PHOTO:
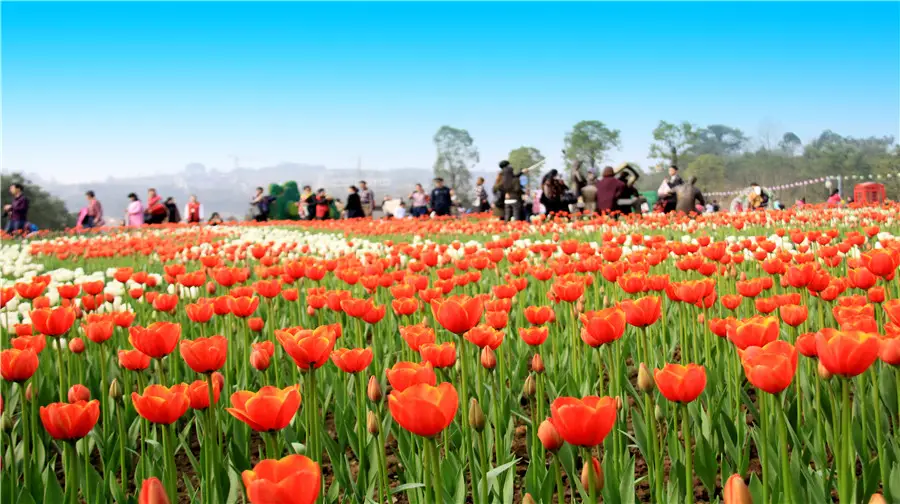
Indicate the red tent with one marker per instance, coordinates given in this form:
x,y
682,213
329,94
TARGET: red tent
x,y
868,192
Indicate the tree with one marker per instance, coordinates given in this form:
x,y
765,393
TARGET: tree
x,y
44,210
671,140
524,157
709,170
456,154
790,143
588,142
718,139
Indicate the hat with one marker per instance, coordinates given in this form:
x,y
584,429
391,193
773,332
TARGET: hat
x,y
438,179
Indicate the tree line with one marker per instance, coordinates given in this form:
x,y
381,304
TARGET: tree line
x,y
721,157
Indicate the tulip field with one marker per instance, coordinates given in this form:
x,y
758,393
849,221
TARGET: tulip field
x,y
736,358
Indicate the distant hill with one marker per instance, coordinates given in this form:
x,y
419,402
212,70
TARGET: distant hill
x,y
228,192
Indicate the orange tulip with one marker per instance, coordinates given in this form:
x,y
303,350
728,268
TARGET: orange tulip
x,y
407,374
439,355
417,335
153,492
308,348
405,306
603,326
731,301
846,353
549,436
890,350
583,422
642,312
160,404
484,336
567,290
37,343
881,262
243,306
134,360
294,479
533,336
157,340
770,368
18,365
736,491
99,331
201,312
754,331
679,383
70,421
806,344
269,409
198,392
53,322
423,409
165,302
793,315
538,315
352,360
892,309
458,314
205,355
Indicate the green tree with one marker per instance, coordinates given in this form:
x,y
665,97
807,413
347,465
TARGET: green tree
x,y
456,155
589,141
718,139
524,157
671,140
790,143
44,210
709,170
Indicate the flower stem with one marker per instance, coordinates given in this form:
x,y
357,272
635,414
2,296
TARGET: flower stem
x,y
436,467
783,448
557,474
688,456
361,431
763,448
484,467
846,464
25,419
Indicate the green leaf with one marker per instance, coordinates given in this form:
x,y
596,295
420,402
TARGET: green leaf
x,y
25,497
493,473
52,489
406,486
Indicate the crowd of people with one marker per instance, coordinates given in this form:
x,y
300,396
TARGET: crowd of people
x,y
513,199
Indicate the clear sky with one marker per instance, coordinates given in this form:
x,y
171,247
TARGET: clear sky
x,y
92,90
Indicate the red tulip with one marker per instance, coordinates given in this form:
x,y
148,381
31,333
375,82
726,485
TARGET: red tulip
x,y
53,322
134,360
70,422
458,314
160,404
533,336
417,335
18,365
679,383
642,312
269,409
846,353
157,340
198,392
153,492
439,355
603,326
583,422
205,355
407,374
423,409
78,392
754,331
352,360
770,368
294,479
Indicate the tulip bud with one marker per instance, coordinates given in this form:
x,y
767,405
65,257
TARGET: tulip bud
x,y
310,311
488,359
528,499
606,301
259,360
476,416
152,490
644,380
372,424
824,373
658,413
549,436
579,305
701,318
537,364
79,392
736,491
115,389
619,403
76,345
28,392
6,423
424,321
597,476
374,390
876,499
530,387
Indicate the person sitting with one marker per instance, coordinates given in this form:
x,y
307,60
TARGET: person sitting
x,y
758,198
630,196
835,198
172,211
589,194
156,210
93,212
215,219
193,211
400,211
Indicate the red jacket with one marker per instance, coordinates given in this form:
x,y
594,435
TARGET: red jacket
x,y
609,189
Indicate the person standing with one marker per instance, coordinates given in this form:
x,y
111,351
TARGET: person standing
x,y
174,217
589,194
323,205
193,210
354,207
308,199
609,190
552,191
17,211
480,196
670,199
366,198
440,198
135,212
512,192
419,201
156,210
260,203
93,214
835,198
687,196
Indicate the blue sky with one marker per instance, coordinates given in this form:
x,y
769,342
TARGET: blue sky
x,y
100,89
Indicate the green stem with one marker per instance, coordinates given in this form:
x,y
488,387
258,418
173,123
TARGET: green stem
x,y
382,467
436,467
25,420
87,464
783,448
652,457
484,467
688,456
427,475
557,474
60,370
879,435
464,400
72,473
763,446
211,439
498,429
846,464
122,469
168,462
588,459
361,431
